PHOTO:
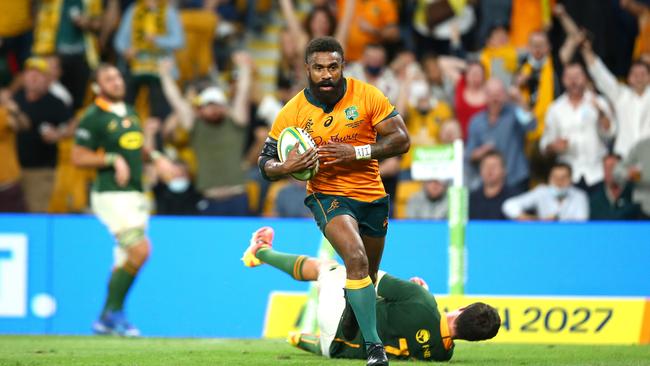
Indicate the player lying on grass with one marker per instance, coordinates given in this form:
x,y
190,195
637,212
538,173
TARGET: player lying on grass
x,y
408,320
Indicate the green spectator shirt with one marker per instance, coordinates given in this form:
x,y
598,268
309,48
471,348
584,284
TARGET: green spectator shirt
x,y
408,322
101,129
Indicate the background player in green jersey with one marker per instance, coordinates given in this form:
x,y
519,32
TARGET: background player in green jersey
x,y
110,139
408,319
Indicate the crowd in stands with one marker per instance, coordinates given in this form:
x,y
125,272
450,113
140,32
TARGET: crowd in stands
x,y
551,98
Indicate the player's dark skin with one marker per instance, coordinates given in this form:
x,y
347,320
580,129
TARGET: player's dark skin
x,y
360,253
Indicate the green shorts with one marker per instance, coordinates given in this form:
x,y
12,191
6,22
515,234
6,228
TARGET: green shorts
x,y
371,216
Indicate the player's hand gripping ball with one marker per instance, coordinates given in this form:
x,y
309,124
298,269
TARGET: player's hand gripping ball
x,y
287,141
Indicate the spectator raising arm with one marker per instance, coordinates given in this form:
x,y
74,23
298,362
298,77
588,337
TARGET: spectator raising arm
x,y
605,81
240,112
180,106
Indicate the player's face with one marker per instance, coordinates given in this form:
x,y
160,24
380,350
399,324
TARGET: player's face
x,y
111,84
560,177
325,71
492,171
639,77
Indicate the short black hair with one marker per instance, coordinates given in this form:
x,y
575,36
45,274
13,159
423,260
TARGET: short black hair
x,y
562,165
323,44
495,154
477,322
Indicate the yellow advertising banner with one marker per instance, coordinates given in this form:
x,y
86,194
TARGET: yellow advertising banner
x,y
563,320
556,320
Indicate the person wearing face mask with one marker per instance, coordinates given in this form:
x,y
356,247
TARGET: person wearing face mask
x,y
372,69
556,201
217,131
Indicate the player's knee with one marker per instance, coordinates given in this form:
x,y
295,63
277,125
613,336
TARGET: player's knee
x,y
134,242
356,263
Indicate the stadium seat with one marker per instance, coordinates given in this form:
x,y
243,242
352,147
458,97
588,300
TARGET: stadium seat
x,y
405,189
271,195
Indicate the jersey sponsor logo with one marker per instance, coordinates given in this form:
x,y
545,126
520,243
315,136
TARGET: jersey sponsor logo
x,y
351,113
422,336
345,138
328,121
131,140
309,127
334,205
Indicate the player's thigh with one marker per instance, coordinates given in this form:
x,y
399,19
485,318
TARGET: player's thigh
x,y
342,232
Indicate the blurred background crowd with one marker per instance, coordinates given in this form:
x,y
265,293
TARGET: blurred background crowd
x,y
551,98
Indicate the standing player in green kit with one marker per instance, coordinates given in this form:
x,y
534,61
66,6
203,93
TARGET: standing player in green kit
x,y
110,139
408,319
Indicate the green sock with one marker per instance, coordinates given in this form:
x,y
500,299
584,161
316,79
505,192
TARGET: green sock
x,y
288,263
361,296
118,286
309,343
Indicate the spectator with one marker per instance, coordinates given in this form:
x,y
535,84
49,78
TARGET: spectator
x,y
492,13
37,145
372,69
438,26
611,200
374,21
149,31
578,126
631,102
196,59
642,12
537,81
485,202
56,87
15,32
499,57
470,95
217,135
636,168
440,84
288,202
11,121
430,202
502,127
67,28
557,201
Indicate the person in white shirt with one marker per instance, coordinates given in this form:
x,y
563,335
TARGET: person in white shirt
x,y
631,102
557,201
579,125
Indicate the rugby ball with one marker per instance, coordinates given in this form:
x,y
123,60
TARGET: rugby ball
x,y
287,142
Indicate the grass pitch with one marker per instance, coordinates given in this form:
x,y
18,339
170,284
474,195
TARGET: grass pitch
x,y
100,351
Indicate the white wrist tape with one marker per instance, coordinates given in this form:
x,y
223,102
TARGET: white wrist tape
x,y
363,152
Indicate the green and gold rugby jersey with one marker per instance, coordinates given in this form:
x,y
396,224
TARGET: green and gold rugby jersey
x,y
103,130
408,322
